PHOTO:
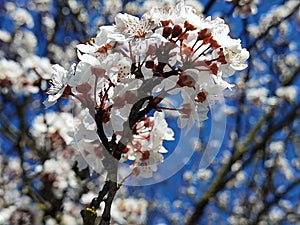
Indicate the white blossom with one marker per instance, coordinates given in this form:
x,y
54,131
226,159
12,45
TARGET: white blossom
x,y
10,70
22,16
257,94
59,83
164,54
5,36
130,210
146,147
51,123
289,93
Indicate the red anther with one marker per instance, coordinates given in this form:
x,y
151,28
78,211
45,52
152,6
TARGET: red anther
x,y
145,155
167,32
186,49
222,59
165,23
186,80
204,34
189,26
147,122
201,96
207,62
207,40
214,68
149,64
67,92
214,44
177,30
184,36
125,150
104,48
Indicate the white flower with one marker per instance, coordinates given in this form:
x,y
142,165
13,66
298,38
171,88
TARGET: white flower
x,y
245,7
87,48
159,133
132,26
59,83
218,27
257,95
10,70
204,174
235,56
147,145
22,16
129,210
52,123
25,41
68,219
43,5
41,65
92,152
104,35
85,128
149,165
277,147
62,173
187,112
276,214
86,198
5,36
290,93
89,59
88,142
285,167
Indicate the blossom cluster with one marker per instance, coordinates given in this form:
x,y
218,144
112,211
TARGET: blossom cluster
x,y
26,77
136,65
273,18
244,8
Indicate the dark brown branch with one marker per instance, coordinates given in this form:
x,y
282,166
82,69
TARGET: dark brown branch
x,y
100,130
113,188
112,154
208,6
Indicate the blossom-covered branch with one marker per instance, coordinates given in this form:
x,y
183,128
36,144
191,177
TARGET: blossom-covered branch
x,y
130,69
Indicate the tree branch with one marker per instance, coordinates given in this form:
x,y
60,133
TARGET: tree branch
x,y
275,24
220,181
275,200
112,155
208,6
